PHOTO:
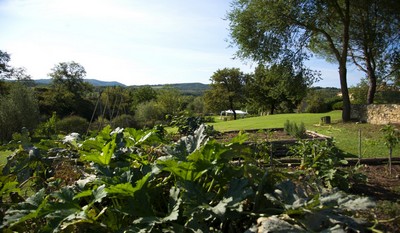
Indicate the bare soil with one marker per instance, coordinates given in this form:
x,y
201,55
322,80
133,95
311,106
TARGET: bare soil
x,y
260,136
384,188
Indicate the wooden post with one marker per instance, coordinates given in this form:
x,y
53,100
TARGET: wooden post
x,y
359,146
325,120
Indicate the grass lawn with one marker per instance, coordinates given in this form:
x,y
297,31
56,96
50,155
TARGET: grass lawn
x,y
346,135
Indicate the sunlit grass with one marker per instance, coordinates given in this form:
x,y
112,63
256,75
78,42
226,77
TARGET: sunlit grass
x,y
274,121
345,135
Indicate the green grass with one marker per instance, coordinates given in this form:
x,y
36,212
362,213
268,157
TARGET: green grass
x,y
345,135
274,121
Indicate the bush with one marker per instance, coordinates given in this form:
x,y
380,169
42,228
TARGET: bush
x,y
337,106
297,131
71,124
18,109
148,114
317,106
48,128
124,121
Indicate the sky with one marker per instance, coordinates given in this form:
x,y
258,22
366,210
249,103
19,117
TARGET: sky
x,y
132,42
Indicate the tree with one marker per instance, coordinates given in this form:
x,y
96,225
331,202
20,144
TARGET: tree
x,y
18,109
374,38
272,31
227,89
68,90
115,101
277,87
4,67
69,76
170,101
142,95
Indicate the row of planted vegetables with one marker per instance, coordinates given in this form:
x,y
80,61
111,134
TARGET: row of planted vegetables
x,y
127,180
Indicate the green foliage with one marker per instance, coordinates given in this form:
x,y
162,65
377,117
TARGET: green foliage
x,y
148,114
131,181
227,90
67,95
319,100
323,159
278,87
337,106
187,125
48,128
391,136
297,131
384,95
18,109
124,121
391,139
71,124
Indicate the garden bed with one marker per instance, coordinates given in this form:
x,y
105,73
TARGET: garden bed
x,y
276,137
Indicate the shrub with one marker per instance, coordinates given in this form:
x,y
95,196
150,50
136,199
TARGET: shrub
x,y
148,114
18,109
124,121
47,128
71,124
324,160
337,106
297,131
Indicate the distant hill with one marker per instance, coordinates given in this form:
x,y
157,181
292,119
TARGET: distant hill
x,y
195,89
94,82
185,88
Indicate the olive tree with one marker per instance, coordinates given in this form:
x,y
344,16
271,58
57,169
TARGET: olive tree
x,y
18,109
268,31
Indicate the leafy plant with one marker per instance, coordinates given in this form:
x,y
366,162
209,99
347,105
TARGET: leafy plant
x,y
392,138
135,181
323,160
297,131
73,124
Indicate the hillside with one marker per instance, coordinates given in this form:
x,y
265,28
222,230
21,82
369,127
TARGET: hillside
x,y
195,89
94,82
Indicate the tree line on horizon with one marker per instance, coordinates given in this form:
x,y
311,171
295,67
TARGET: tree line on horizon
x,y
278,36
69,104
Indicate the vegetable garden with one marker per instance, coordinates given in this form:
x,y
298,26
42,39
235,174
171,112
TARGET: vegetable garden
x,y
128,180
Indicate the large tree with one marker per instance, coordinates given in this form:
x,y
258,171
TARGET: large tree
x,y
272,31
69,76
68,90
227,89
277,87
374,40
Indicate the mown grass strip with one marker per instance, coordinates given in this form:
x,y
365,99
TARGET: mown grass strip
x,y
345,135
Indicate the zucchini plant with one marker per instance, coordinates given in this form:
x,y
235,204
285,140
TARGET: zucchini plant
x,y
131,180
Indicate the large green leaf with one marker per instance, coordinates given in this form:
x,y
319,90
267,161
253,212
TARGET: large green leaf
x,y
182,169
32,208
127,189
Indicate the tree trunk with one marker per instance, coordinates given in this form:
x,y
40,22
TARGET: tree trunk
x,y
271,112
390,160
345,92
343,62
372,86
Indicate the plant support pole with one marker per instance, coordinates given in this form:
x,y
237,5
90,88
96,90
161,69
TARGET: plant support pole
x,y
359,146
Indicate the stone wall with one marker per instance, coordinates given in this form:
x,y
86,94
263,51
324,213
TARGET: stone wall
x,y
379,114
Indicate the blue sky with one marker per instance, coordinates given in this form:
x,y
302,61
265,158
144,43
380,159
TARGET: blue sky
x,y
133,42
